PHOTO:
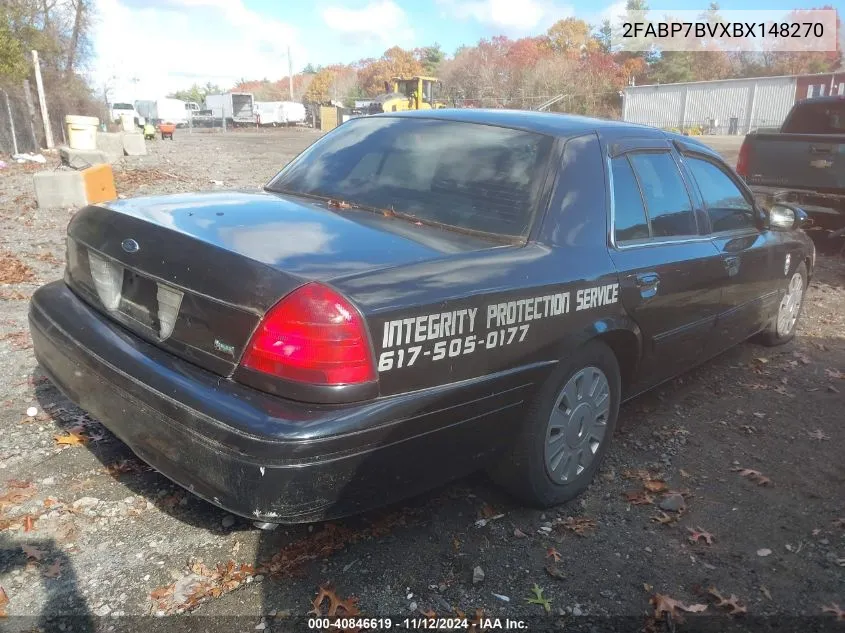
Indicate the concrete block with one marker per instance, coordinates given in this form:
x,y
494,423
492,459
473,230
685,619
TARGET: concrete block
x,y
134,144
82,158
61,188
112,144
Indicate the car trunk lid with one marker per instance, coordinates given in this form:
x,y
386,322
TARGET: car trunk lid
x,y
195,273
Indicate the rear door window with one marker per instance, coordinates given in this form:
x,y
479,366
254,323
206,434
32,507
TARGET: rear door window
x,y
629,212
667,201
726,206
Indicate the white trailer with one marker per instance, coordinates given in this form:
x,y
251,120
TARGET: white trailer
x,y
279,113
235,107
164,110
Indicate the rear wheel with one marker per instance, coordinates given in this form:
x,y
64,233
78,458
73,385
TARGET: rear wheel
x,y
782,328
567,431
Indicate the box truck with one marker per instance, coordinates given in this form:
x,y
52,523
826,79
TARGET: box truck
x,y
237,108
279,113
164,110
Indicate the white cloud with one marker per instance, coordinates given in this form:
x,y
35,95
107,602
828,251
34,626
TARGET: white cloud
x,y
146,49
508,16
614,13
381,21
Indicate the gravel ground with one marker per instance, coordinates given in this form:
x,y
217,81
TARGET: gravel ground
x,y
89,531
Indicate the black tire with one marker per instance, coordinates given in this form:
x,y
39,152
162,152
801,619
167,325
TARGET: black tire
x,y
774,335
522,470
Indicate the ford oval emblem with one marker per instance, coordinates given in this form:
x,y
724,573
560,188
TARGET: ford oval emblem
x,y
130,245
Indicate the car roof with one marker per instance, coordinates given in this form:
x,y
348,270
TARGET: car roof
x,y
540,122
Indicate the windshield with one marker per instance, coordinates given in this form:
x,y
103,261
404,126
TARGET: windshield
x,y
821,117
470,176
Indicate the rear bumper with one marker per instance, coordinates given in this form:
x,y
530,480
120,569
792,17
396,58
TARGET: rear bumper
x,y
256,455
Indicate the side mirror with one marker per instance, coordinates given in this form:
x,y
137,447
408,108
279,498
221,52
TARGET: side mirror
x,y
785,217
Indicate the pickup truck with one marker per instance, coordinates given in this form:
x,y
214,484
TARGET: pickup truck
x,y
804,163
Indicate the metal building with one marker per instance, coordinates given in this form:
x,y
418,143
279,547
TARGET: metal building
x,y
728,106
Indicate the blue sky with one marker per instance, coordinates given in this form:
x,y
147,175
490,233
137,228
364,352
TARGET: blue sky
x,y
146,48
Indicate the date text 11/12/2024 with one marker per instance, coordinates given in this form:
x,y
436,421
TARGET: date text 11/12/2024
x,y
506,323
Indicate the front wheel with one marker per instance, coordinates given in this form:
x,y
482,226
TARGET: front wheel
x,y
782,328
567,430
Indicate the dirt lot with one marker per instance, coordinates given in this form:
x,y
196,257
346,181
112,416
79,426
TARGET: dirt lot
x,y
88,531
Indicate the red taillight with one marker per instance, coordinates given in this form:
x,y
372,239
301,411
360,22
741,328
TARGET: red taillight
x,y
314,336
742,160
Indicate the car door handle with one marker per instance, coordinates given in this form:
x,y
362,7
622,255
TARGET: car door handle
x,y
821,149
731,264
647,284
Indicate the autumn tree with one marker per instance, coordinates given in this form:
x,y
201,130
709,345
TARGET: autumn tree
x,y
395,62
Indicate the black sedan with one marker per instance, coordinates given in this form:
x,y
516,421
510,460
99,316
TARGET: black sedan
x,y
414,297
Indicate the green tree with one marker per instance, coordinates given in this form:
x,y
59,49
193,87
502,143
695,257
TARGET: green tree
x,y
430,57
309,69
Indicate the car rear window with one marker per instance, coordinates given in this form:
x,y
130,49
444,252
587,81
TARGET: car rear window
x,y
469,176
821,117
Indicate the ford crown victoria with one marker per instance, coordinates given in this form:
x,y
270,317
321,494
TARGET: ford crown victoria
x,y
414,297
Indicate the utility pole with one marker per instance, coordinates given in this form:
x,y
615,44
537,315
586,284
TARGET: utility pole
x,y
45,116
290,74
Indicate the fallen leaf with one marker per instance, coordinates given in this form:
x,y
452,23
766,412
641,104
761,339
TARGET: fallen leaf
x,y
763,552
754,475
819,435
538,598
53,571
699,534
761,360
29,523
487,511
666,606
579,525
834,608
326,592
519,533
71,438
731,604
839,523
647,587
834,373
339,204
4,601
655,485
32,552
765,591
803,358
554,572
430,614
553,553
665,519
638,497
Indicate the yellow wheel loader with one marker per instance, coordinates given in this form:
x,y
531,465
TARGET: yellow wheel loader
x,y
413,93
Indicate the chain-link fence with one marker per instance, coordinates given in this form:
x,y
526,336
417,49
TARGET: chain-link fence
x,y
21,129
731,126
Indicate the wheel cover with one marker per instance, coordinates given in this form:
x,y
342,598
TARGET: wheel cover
x,y
577,425
790,305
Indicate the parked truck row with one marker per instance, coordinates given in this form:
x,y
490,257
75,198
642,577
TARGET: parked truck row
x,y
233,108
